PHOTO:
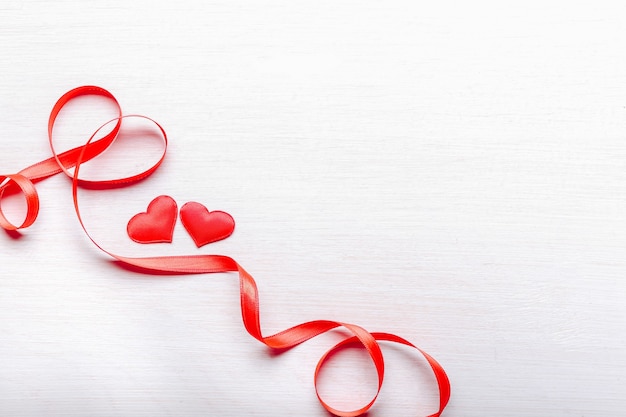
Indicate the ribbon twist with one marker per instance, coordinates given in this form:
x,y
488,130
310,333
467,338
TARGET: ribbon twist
x,y
24,182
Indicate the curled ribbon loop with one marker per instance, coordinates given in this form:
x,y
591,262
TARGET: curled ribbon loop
x,y
196,264
58,162
27,187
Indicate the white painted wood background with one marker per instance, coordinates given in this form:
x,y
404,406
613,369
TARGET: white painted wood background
x,y
455,174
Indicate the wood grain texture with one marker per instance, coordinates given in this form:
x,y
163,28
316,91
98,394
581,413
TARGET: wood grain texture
x,y
453,174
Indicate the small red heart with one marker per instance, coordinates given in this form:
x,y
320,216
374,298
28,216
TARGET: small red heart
x,y
204,226
156,225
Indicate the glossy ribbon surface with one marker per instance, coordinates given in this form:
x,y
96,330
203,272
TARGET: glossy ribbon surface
x,y
24,182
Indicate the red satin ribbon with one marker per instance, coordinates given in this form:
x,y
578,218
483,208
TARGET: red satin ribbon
x,y
194,264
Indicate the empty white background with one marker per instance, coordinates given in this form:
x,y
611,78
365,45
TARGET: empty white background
x,y
455,174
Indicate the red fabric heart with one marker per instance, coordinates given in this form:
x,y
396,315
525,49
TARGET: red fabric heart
x,y
204,226
156,225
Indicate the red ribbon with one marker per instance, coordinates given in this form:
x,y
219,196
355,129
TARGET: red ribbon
x,y
24,181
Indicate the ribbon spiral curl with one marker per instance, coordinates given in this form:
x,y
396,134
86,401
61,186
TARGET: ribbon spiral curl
x,y
24,181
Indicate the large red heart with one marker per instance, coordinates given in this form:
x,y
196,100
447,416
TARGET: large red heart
x,y
156,225
204,226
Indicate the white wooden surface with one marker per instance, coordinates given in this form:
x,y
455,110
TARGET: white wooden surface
x,y
453,174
